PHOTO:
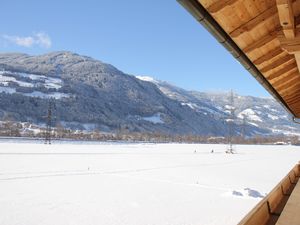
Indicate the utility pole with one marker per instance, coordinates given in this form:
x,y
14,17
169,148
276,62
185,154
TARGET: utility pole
x,y
49,118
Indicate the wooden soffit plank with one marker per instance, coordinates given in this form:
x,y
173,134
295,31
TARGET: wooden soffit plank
x,y
219,5
285,79
277,63
262,41
284,70
270,55
254,22
286,84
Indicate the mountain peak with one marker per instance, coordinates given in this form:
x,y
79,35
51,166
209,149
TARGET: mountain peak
x,y
147,78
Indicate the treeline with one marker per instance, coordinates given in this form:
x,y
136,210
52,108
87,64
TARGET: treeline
x,y
12,129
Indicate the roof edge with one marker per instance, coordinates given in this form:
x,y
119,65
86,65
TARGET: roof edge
x,y
202,16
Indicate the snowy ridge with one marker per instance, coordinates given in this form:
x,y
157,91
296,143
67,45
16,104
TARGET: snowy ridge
x,y
98,93
256,112
147,78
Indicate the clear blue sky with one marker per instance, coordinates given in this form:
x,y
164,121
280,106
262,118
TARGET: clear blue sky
x,y
156,38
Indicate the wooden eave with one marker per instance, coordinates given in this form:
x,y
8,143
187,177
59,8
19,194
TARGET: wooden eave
x,y
267,33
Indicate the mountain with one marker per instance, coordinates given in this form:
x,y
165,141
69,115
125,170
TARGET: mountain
x,y
90,94
257,111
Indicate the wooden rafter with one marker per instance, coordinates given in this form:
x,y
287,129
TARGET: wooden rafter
x,y
297,21
270,55
289,85
254,22
292,46
261,42
266,32
220,4
286,17
285,79
297,57
296,110
296,7
292,98
294,106
284,70
277,63
289,40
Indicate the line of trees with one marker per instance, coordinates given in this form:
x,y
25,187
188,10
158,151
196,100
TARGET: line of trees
x,y
15,129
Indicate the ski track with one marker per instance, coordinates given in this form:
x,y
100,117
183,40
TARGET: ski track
x,y
48,174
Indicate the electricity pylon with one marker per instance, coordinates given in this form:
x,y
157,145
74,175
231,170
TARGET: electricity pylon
x,y
230,123
49,122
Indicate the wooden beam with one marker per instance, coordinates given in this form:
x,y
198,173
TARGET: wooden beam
x,y
294,107
254,22
289,42
297,22
296,8
277,63
292,46
290,91
262,41
296,111
268,56
283,40
288,84
293,88
291,97
219,5
297,57
292,49
291,100
284,79
284,70
286,17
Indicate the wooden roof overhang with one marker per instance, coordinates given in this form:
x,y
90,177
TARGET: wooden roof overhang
x,y
264,35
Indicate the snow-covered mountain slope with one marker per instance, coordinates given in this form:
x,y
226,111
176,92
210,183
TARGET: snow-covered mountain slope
x,y
91,94
255,111
14,82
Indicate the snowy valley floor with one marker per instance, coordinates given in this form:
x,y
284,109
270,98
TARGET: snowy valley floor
x,y
136,184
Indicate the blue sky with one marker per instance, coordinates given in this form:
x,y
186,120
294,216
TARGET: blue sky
x,y
155,38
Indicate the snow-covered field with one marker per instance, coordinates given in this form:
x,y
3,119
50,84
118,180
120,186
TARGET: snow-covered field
x,y
136,184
